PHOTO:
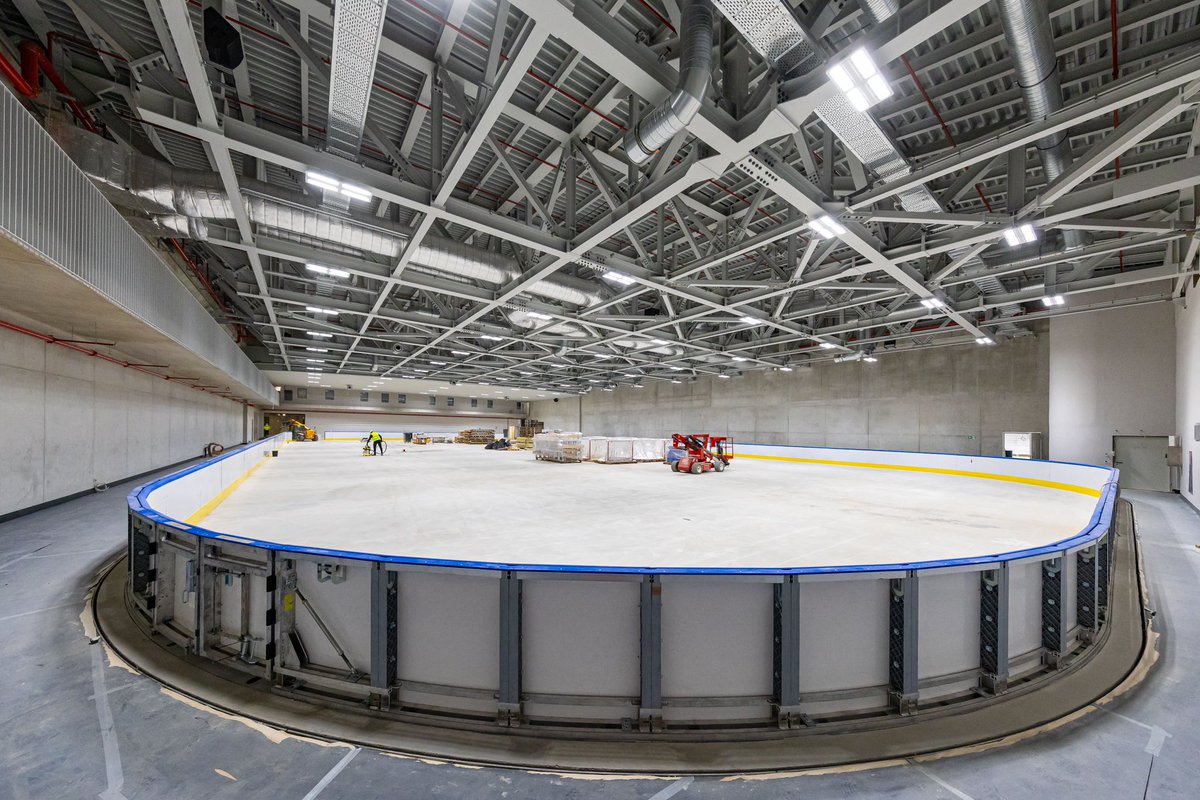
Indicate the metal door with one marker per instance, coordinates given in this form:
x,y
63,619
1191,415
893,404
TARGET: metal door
x,y
1143,462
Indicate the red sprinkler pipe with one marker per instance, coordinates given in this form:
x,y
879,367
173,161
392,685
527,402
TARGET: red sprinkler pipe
x,y
70,345
34,64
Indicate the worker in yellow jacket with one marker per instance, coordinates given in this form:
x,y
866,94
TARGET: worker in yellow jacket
x,y
376,443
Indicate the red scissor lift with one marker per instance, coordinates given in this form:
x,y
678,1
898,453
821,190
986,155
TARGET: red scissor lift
x,y
702,453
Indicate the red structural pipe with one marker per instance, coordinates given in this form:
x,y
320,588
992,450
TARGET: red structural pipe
x,y
70,345
35,63
212,290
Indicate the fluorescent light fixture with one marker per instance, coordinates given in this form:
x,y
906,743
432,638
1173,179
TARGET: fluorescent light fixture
x,y
618,277
330,271
608,388
519,372
749,320
1053,300
723,377
739,358
870,359
827,227
659,341
315,360
860,80
675,381
316,349
331,184
319,310
355,192
322,180
491,338
677,369
420,370
593,380
985,340
1021,234
438,363
601,356
785,369
827,345
538,315
932,302
459,353
316,335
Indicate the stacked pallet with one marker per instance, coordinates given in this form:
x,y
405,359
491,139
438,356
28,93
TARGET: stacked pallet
x,y
476,436
523,443
559,446
532,428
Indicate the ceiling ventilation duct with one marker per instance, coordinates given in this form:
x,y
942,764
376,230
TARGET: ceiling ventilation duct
x,y
176,202
672,115
857,130
1031,48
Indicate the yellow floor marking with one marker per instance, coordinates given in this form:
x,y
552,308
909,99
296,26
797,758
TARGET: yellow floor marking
x,y
211,505
1065,487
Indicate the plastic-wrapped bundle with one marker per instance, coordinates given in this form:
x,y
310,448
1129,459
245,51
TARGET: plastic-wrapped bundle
x,y
650,449
616,451
558,446
594,447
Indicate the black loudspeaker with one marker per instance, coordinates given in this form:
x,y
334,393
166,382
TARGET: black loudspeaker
x,y
221,40
556,399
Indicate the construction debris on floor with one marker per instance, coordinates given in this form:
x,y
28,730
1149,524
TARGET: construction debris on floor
x,y
476,436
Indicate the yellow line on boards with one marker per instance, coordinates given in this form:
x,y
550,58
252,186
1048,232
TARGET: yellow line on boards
x,y
1065,487
211,505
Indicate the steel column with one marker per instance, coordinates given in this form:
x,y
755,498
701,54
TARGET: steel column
x,y
786,679
650,710
508,709
902,643
1086,592
385,624
1055,621
993,629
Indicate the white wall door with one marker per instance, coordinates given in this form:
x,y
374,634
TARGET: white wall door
x,y
1143,462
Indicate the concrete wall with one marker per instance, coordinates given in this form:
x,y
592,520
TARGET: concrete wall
x,y
1187,392
945,399
322,421
71,422
1111,372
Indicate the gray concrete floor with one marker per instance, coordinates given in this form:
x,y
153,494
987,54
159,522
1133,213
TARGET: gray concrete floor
x,y
73,727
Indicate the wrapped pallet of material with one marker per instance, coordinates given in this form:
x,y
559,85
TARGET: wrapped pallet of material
x,y
650,449
594,447
563,447
616,451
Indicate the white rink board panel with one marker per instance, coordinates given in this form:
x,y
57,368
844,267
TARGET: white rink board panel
x,y
580,637
447,631
716,637
843,634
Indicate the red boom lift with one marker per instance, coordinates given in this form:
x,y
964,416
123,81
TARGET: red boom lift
x,y
703,453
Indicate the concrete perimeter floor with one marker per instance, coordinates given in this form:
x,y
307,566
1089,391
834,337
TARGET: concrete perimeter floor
x,y
464,503
72,727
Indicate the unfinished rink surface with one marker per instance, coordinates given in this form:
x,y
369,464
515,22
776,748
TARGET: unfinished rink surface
x,y
464,503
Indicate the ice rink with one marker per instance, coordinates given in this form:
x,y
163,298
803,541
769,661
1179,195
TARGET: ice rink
x,y
460,502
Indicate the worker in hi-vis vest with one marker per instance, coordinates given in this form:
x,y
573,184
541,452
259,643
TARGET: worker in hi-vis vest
x,y
376,443
266,427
